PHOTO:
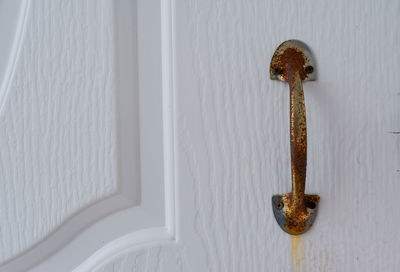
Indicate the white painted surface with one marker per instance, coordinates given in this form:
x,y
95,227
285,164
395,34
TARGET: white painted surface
x,y
57,127
13,15
70,134
214,130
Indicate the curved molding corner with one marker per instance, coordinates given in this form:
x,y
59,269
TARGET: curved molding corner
x,y
133,241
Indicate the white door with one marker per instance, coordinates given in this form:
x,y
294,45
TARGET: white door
x,y
147,135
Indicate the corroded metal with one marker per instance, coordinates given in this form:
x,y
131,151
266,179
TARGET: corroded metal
x,y
292,62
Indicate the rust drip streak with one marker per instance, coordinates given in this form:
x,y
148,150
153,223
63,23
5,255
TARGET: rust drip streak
x,y
298,259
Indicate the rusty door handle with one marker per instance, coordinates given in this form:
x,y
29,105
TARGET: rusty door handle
x,y
292,62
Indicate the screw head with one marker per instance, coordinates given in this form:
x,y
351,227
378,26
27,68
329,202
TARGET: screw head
x,y
279,205
309,69
277,71
311,205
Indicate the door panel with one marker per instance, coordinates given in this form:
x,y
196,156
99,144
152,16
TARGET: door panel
x,y
212,137
233,137
237,142
73,178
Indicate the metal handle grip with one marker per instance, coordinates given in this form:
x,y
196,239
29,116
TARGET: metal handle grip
x,y
298,136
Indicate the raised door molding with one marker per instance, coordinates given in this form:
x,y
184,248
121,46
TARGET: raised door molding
x,y
126,90
13,15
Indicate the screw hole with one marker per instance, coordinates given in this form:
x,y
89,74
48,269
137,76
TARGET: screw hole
x,y
311,205
277,71
309,69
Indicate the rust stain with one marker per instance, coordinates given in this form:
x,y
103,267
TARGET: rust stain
x,y
298,259
291,61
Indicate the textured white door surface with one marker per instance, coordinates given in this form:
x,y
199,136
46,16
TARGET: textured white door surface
x,y
147,135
